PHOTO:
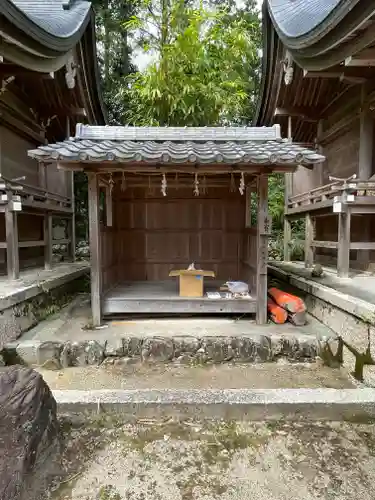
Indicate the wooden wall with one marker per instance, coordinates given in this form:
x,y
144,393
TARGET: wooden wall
x,y
155,234
14,161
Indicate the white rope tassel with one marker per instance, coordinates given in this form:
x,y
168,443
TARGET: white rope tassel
x,y
123,182
241,188
111,183
164,186
196,185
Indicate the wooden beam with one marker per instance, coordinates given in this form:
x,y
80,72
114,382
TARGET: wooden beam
x,y
365,58
48,241
309,237
350,76
304,114
96,285
324,244
343,244
9,69
262,250
11,230
362,245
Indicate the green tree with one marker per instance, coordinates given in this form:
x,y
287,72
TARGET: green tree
x,y
202,72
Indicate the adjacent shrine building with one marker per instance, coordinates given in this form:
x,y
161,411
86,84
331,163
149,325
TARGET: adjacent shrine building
x,y
318,84
48,82
162,198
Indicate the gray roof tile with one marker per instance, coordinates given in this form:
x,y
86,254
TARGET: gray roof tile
x,y
299,17
199,151
49,16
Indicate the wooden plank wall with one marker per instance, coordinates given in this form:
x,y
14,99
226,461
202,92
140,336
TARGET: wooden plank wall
x,y
156,234
14,159
249,257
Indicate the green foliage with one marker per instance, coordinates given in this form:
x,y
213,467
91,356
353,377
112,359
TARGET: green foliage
x,y
202,72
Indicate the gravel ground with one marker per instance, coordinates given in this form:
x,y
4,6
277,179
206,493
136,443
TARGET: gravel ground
x,y
150,460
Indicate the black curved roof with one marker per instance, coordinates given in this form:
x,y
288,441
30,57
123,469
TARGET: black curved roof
x,y
56,24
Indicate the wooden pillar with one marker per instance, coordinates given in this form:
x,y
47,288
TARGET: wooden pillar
x,y
11,230
72,224
262,249
48,236
366,140
343,251
287,224
365,166
94,235
309,237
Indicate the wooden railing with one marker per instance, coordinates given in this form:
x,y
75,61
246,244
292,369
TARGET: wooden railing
x,y
329,191
33,196
15,195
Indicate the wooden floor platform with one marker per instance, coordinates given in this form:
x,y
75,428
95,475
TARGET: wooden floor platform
x,y
161,297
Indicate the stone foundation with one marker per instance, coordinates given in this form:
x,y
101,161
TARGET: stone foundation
x,y
20,317
180,349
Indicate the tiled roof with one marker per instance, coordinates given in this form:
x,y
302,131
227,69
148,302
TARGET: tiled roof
x,y
200,150
56,23
298,17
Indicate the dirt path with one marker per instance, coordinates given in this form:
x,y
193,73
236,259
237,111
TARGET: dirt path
x,y
226,461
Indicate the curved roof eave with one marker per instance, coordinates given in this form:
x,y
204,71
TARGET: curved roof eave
x,y
271,70
46,22
327,44
300,23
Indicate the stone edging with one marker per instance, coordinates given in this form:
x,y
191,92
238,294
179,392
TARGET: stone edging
x,y
243,404
182,349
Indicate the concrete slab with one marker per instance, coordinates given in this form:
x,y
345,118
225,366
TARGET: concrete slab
x,y
70,323
124,375
35,281
356,294
228,404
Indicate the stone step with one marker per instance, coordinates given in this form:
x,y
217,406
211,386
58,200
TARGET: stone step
x,y
127,375
229,404
182,349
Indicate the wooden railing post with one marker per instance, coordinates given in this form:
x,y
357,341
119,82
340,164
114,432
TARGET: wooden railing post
x,y
343,251
48,230
262,250
94,234
309,238
11,230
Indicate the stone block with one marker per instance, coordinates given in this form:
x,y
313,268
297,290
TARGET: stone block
x,y
156,349
132,346
114,347
82,353
48,351
27,352
218,349
185,345
252,349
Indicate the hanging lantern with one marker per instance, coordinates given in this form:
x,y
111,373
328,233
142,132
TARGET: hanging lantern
x,y
241,188
163,188
196,185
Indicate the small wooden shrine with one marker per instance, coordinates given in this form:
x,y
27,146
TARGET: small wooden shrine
x,y
161,199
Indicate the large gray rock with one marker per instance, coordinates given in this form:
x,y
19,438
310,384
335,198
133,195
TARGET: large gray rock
x,y
29,444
